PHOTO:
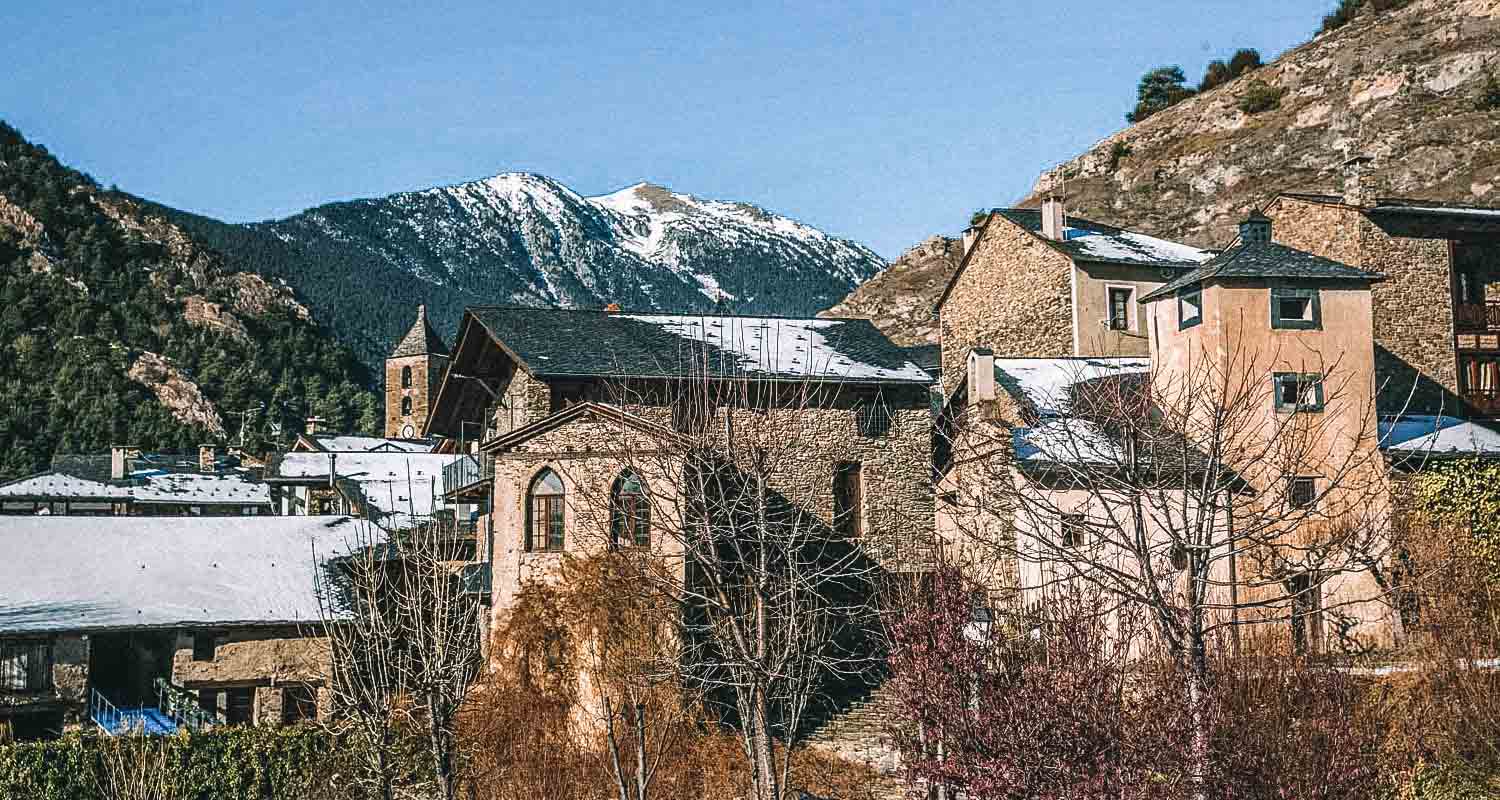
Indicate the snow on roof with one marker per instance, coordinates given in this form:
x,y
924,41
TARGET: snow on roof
x,y
197,487
400,486
1439,436
62,485
360,444
1066,440
148,486
83,573
1132,246
1046,383
795,347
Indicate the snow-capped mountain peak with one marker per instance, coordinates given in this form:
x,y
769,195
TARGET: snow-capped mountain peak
x,y
523,238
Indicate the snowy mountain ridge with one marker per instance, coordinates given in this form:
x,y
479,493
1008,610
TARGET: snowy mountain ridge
x,y
520,238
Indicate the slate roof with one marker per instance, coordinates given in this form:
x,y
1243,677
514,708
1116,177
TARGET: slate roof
x,y
1266,260
402,488
1439,437
552,342
1047,385
421,339
153,486
339,443
92,573
1086,240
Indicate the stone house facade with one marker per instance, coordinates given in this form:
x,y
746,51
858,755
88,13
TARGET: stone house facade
x,y
97,632
576,398
1437,313
1401,293
1037,283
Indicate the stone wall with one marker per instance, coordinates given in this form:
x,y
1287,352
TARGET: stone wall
x,y
268,659
426,373
589,453
1013,296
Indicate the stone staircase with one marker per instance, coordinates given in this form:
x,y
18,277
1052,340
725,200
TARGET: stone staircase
x,y
858,733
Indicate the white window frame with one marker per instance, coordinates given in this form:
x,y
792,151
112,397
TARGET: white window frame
x,y
1131,315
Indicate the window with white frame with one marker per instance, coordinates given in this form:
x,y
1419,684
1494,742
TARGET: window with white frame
x,y
1121,314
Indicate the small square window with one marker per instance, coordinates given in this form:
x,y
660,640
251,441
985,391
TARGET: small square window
x,y
1119,307
1298,391
1074,531
1302,493
1189,307
1295,309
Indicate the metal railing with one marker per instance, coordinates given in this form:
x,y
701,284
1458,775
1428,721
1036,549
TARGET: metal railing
x,y
181,706
464,471
1477,316
104,714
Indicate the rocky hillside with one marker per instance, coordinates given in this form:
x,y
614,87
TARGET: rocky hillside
x,y
526,239
1404,86
1407,86
118,327
899,300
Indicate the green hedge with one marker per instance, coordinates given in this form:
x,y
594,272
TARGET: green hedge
x,y
301,762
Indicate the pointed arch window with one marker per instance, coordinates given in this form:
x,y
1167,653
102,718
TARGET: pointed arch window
x,y
629,512
406,377
544,515
406,406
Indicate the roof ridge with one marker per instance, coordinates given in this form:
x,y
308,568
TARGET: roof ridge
x,y
625,312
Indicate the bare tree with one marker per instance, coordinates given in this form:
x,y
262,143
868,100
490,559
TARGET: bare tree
x,y
1205,494
405,645
775,600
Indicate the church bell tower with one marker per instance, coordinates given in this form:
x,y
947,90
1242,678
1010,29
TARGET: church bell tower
x,y
412,373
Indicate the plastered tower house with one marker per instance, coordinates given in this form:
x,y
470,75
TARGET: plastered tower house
x,y
413,372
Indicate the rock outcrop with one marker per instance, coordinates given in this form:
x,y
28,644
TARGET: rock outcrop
x,y
900,298
176,391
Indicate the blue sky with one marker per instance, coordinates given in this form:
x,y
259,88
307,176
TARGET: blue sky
x,y
883,122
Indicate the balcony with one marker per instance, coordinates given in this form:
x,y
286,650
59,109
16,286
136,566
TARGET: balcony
x,y
1476,317
1483,402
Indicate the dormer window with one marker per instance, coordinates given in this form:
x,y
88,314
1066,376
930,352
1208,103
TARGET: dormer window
x,y
1189,307
1295,309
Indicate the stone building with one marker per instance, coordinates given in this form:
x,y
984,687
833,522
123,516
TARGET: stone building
x,y
128,482
413,372
1038,283
1437,313
1389,294
220,614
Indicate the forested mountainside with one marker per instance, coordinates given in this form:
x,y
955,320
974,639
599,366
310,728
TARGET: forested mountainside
x,y
525,239
1413,83
118,328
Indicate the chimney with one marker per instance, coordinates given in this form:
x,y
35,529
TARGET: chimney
x,y
119,462
333,466
314,424
971,233
1359,181
981,375
1052,219
1255,228
207,456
